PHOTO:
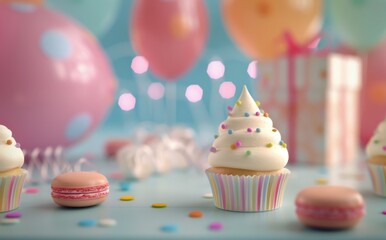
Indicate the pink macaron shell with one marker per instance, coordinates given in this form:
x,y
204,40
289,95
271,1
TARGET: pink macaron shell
x,y
329,207
79,189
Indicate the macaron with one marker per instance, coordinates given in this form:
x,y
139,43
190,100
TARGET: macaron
x,y
79,189
329,207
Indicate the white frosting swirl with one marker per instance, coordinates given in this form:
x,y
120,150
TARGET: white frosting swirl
x,y
247,140
377,144
11,156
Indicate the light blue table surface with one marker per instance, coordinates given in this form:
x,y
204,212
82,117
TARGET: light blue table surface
x,y
183,191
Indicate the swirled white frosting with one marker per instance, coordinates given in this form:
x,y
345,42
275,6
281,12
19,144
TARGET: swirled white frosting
x,y
247,139
11,156
377,144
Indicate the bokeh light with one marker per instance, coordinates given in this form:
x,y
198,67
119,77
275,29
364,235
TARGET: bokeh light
x,y
227,90
156,91
139,65
215,69
126,101
252,69
194,93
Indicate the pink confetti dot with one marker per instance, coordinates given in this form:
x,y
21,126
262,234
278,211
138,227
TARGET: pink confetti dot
x,y
215,226
384,212
238,144
13,215
384,148
257,114
249,130
32,190
223,126
230,108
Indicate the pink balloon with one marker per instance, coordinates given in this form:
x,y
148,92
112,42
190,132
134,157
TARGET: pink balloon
x,y
373,94
56,84
169,34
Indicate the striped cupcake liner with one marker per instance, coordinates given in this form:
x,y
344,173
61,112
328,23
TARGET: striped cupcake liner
x,y
378,178
248,193
10,191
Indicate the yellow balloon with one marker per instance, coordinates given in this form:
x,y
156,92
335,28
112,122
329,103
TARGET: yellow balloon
x,y
258,26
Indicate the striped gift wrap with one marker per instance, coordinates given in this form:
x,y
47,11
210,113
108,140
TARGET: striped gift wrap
x,y
248,193
378,178
10,190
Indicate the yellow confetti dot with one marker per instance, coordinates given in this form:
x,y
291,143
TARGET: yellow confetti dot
x,y
238,103
257,103
321,181
284,145
159,205
127,198
269,145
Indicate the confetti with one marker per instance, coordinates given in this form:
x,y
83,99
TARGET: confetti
x,y
246,114
87,223
107,222
223,126
249,130
284,145
257,103
127,198
125,186
384,148
269,145
213,149
258,130
321,181
233,146
230,131
230,108
266,114
196,214
238,144
238,103
208,195
274,130
215,226
248,153
257,113
31,190
9,221
159,205
169,228
384,212
13,215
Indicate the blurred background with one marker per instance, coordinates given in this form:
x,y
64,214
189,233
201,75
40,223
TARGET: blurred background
x,y
71,69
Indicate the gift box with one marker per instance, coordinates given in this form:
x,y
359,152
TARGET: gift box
x,y
313,101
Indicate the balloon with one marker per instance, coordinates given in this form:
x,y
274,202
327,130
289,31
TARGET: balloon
x,y
35,2
373,94
96,15
169,34
360,24
258,26
56,84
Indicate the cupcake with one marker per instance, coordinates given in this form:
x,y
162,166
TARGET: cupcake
x,y
376,155
247,160
12,176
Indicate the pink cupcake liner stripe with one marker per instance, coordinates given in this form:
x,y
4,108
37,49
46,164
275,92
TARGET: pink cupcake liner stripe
x,y
248,193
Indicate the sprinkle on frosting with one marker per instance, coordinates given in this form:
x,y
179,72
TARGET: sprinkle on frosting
x,y
258,103
230,108
238,144
284,145
376,141
384,148
274,130
9,142
233,146
223,126
238,103
213,149
266,114
230,131
246,114
215,136
258,130
248,153
257,113
269,145
249,130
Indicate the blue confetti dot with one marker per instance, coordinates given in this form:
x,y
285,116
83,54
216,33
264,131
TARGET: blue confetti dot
x,y
125,186
23,7
169,228
87,223
78,126
55,44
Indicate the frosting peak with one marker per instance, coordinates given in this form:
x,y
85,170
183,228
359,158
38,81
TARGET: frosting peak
x,y
11,156
377,144
248,140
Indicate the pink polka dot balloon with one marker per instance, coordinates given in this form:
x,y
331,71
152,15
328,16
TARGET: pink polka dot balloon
x,y
56,84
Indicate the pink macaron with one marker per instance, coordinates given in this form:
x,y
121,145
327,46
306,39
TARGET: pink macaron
x,y
79,189
329,207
